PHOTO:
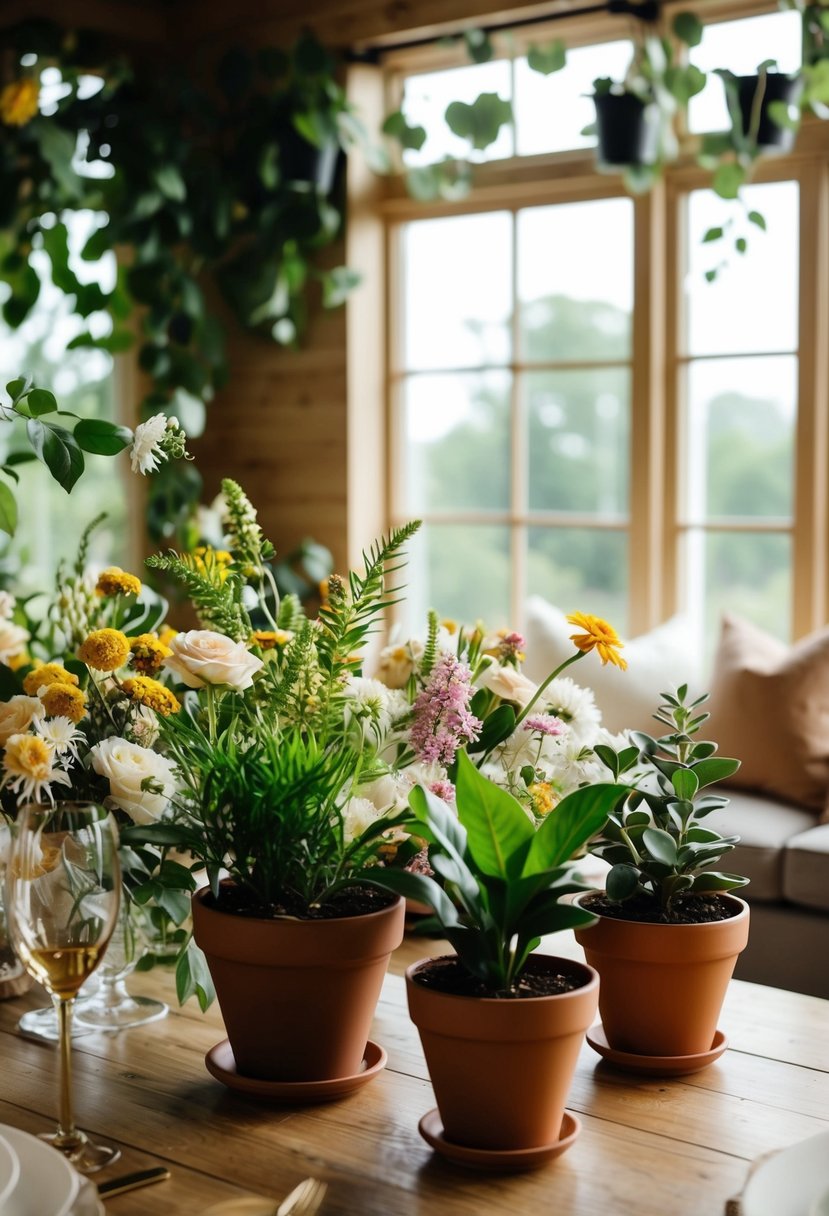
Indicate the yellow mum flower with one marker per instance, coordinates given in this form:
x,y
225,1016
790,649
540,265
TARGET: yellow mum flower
x,y
18,102
144,691
64,701
598,636
28,770
543,796
115,581
45,674
267,639
105,649
19,660
148,653
166,636
450,626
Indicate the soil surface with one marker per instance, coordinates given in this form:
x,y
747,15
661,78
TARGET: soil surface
x,y
445,974
352,901
685,910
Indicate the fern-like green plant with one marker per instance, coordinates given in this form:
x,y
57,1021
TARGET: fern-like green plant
x,y
216,593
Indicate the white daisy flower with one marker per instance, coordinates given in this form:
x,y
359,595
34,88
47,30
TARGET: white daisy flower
x,y
61,735
146,453
574,705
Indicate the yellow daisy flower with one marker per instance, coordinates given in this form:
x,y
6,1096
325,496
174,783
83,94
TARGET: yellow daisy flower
x,y
105,649
18,102
47,673
166,636
28,769
144,691
115,581
64,701
598,636
148,653
267,639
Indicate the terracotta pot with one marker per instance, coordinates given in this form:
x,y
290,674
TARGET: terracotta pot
x,y
297,996
501,1069
662,986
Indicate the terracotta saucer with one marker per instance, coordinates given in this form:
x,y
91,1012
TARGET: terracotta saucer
x,y
221,1065
431,1129
664,1066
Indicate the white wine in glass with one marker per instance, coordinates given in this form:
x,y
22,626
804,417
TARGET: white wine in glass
x,y
63,888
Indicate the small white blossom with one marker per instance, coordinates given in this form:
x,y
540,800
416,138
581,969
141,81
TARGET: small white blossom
x,y
146,453
61,734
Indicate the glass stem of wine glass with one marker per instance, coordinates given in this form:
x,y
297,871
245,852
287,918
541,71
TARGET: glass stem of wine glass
x,y
67,1136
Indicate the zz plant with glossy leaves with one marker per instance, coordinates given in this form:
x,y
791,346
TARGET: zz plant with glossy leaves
x,y
654,840
502,878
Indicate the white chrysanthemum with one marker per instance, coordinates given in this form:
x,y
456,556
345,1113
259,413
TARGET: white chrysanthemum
x,y
29,769
61,734
359,814
371,707
146,453
576,706
6,605
388,793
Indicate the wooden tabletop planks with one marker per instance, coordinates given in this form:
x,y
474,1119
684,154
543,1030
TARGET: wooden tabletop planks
x,y
649,1146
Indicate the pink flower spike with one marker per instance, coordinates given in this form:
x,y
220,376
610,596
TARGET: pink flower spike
x,y
545,724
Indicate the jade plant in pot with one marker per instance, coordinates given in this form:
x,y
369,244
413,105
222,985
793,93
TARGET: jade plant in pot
x,y
501,1026
271,746
669,929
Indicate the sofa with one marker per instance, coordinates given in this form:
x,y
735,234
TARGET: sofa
x,y
770,708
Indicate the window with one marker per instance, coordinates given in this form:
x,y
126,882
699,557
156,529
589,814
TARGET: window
x,y
574,410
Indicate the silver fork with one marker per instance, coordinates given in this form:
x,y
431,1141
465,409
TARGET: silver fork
x,y
305,1199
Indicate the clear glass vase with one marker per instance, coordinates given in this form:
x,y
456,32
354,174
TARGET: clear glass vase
x,y
112,1007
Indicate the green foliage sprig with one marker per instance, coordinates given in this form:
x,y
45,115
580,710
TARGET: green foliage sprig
x,y
503,878
215,593
655,843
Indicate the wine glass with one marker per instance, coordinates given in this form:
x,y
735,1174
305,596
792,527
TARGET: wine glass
x,y
62,897
112,1007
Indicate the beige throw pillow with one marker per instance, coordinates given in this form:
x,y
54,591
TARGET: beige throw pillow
x,y
770,708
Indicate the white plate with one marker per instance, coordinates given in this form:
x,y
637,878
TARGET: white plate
x,y
791,1182
48,1185
9,1172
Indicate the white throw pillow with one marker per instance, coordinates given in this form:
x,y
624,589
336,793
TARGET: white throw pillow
x,y
658,661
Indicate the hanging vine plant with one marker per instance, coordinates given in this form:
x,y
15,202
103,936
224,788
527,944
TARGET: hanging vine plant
x,y
229,181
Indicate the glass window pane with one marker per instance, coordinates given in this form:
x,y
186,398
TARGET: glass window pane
x,y
575,280
462,571
426,97
552,111
740,46
747,573
580,570
753,303
457,441
579,436
740,437
457,291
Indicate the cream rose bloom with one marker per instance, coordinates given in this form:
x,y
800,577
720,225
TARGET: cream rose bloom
x,y
396,663
17,715
201,657
13,639
508,683
126,766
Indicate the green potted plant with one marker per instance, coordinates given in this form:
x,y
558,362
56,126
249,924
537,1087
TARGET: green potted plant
x,y
669,930
501,1026
635,117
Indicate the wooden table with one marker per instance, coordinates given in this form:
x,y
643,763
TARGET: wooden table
x,y
649,1147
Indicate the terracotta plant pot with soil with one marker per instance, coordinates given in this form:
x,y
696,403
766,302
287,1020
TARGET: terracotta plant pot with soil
x,y
297,996
663,985
501,1067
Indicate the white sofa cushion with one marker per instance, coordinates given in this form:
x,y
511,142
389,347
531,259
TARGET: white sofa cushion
x,y
658,661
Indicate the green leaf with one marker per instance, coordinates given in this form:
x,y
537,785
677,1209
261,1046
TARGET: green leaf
x,y
115,343
399,128
170,182
18,388
622,882
741,244
337,284
102,438
57,147
728,178
480,122
547,59
569,826
41,401
193,977
661,845
713,234
688,28
757,219
8,510
58,450
718,768
715,881
685,783
496,824
478,46
498,726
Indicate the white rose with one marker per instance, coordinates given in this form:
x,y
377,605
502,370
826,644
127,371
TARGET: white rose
x,y
201,657
17,715
396,663
508,683
127,765
13,639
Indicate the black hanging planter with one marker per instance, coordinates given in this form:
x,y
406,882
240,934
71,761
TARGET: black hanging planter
x,y
778,87
305,163
627,129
